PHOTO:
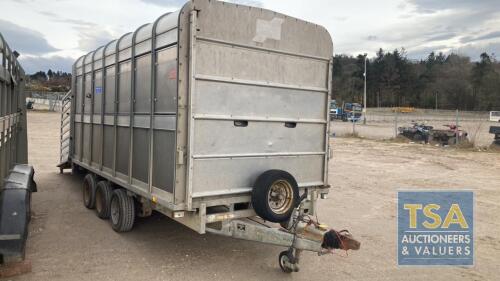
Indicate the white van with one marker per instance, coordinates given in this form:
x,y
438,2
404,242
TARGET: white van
x,y
495,116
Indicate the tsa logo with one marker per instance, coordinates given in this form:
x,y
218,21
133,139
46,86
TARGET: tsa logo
x,y
435,228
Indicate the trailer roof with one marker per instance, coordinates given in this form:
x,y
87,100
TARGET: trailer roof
x,y
229,22
163,24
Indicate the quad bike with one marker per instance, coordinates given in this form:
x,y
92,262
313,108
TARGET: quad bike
x,y
416,132
451,136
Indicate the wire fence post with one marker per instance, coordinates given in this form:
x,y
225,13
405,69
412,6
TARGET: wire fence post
x,y
353,121
396,123
456,125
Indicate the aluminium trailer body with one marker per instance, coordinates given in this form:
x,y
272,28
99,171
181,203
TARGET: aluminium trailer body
x,y
187,113
16,177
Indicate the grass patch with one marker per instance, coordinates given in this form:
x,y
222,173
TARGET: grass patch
x,y
354,135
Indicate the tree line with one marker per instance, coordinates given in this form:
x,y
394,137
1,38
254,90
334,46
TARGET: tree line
x,y
50,81
444,81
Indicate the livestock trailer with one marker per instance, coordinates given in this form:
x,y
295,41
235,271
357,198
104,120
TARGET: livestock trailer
x,y
210,115
16,177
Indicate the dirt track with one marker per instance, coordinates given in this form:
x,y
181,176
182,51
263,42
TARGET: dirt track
x,y
68,242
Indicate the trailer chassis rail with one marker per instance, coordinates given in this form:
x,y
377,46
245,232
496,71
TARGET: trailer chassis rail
x,y
297,235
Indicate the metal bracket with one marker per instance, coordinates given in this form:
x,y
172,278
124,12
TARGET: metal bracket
x,y
180,157
146,208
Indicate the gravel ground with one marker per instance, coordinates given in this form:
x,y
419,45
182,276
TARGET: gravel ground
x,y
68,242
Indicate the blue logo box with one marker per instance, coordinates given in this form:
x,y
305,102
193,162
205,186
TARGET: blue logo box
x,y
436,228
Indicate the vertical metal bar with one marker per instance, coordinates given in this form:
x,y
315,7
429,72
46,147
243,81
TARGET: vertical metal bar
x,y
152,105
353,121
191,90
7,126
153,101
15,110
327,116
82,107
3,90
23,135
2,145
13,139
103,93
132,103
8,112
92,104
364,93
74,91
175,183
2,148
131,111
103,103
396,123
117,85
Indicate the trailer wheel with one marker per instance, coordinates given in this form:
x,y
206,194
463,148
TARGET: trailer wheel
x,y
275,195
103,195
284,259
89,187
122,211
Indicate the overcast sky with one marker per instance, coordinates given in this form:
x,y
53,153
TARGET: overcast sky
x,y
52,34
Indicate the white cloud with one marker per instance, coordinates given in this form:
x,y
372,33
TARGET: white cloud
x,y
32,64
25,40
166,3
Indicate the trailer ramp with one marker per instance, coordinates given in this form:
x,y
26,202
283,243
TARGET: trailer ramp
x,y
65,138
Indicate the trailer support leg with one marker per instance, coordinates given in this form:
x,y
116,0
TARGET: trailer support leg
x,y
288,261
300,234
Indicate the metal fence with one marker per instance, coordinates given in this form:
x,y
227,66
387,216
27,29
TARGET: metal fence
x,y
383,123
51,101
423,115
13,135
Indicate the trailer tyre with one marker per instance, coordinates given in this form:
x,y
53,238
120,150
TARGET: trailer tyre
x,y
285,258
275,195
103,195
89,187
122,211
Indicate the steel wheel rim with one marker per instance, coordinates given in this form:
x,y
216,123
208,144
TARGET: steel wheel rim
x,y
115,212
280,196
284,259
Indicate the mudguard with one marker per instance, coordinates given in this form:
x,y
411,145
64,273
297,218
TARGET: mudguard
x,y
15,212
